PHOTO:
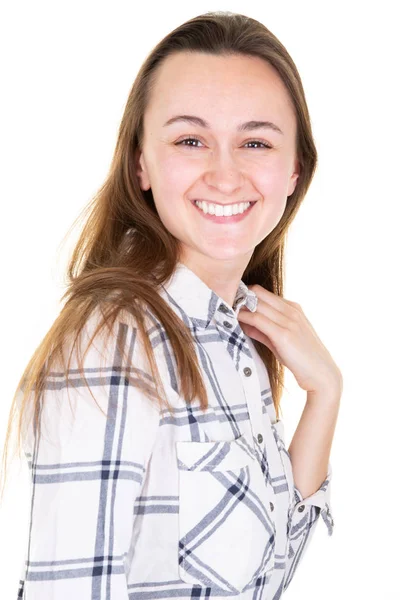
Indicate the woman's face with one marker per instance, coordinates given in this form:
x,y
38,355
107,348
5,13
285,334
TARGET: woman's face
x,y
224,165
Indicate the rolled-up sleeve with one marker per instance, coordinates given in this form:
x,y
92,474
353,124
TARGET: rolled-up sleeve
x,y
87,469
304,514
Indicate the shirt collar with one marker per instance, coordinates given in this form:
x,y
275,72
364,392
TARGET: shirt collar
x,y
200,303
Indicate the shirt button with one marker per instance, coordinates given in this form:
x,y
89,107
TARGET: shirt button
x,y
223,308
247,371
260,438
301,508
271,506
227,324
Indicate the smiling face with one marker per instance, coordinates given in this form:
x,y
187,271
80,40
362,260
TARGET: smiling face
x,y
223,165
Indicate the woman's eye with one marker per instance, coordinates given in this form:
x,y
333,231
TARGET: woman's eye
x,y
258,142
193,139
189,139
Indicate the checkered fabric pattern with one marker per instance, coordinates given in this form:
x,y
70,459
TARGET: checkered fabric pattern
x,y
148,504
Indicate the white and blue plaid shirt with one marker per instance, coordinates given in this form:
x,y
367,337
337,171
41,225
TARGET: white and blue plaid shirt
x,y
149,504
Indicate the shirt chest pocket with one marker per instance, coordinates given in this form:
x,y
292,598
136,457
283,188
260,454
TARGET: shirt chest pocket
x,y
226,515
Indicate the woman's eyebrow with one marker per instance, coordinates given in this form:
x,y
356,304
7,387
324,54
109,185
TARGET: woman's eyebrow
x,y
247,126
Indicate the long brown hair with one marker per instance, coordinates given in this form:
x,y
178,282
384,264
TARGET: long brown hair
x,y
124,252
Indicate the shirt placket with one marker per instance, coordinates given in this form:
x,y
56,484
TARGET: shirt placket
x,y
226,318
261,430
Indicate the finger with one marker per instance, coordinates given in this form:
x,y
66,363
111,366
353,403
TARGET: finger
x,y
280,304
268,311
255,334
269,329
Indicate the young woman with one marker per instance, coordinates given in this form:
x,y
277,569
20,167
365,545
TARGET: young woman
x,y
178,483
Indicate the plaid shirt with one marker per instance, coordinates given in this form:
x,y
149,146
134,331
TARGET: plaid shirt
x,y
150,504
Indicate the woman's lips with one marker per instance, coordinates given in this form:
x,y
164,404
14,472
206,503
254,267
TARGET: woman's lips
x,y
231,219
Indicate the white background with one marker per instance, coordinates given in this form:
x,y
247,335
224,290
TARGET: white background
x,y
66,71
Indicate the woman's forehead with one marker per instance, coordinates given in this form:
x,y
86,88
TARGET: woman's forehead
x,y
194,70
231,87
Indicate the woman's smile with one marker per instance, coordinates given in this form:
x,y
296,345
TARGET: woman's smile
x,y
240,216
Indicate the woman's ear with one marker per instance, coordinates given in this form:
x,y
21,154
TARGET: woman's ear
x,y
294,178
141,170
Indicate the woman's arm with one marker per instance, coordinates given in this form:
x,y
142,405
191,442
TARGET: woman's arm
x,y
311,443
308,457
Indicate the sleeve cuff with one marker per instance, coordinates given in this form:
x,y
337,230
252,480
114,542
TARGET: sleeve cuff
x,y
320,499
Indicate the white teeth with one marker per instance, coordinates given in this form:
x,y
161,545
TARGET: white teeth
x,y
222,211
